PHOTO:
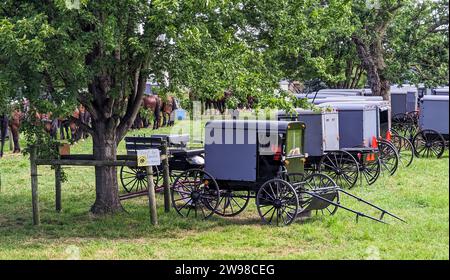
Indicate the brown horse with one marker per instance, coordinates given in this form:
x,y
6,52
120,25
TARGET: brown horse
x,y
50,125
153,104
13,124
76,132
167,107
220,103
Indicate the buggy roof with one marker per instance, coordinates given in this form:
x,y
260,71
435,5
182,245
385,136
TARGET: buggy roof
x,y
300,111
311,95
343,90
349,106
347,98
340,93
441,90
435,97
280,126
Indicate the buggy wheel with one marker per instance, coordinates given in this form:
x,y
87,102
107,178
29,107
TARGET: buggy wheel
x,y
294,178
388,156
309,168
232,203
369,167
404,125
134,179
277,202
394,132
405,149
323,186
195,193
342,167
429,143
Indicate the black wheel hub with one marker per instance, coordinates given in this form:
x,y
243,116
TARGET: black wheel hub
x,y
277,203
140,175
195,195
339,171
428,144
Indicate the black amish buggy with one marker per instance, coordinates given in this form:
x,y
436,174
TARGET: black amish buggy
x,y
263,160
180,158
433,137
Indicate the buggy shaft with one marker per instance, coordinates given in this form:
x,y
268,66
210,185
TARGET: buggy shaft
x,y
345,208
370,204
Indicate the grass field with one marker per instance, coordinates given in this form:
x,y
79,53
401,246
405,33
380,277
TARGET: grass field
x,y
419,194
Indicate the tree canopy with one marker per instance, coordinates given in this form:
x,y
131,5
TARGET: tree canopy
x,y
59,53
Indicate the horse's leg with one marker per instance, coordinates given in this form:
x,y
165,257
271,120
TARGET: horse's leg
x,y
61,130
67,128
164,119
54,129
15,136
3,122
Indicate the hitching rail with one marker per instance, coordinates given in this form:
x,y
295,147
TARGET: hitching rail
x,y
88,160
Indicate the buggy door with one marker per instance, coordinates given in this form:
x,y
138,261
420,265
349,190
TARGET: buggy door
x,y
294,148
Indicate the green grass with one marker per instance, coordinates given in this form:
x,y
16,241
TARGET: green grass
x,y
418,193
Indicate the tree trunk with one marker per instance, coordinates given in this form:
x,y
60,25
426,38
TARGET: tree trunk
x,y
106,186
372,61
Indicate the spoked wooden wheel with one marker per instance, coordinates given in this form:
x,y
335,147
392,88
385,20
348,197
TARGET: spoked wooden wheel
x,y
134,179
429,143
405,149
414,115
342,167
369,167
295,178
195,193
323,186
232,203
277,202
388,156
309,168
404,125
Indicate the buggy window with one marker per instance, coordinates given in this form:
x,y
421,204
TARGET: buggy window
x,y
293,141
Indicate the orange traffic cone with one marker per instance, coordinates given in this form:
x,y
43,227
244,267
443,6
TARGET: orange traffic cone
x,y
374,142
388,135
371,156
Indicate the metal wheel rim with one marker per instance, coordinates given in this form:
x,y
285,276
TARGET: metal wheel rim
x,y
196,183
388,156
131,182
431,137
342,167
405,149
314,183
269,192
370,170
232,203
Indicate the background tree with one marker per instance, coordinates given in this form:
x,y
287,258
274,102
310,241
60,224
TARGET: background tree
x,y
418,44
101,55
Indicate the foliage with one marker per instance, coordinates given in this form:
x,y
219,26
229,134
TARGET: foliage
x,y
418,44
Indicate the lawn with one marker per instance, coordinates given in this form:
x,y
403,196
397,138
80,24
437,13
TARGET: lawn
x,y
418,194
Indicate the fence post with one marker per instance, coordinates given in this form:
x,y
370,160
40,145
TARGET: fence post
x,y
151,196
34,186
58,188
166,178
